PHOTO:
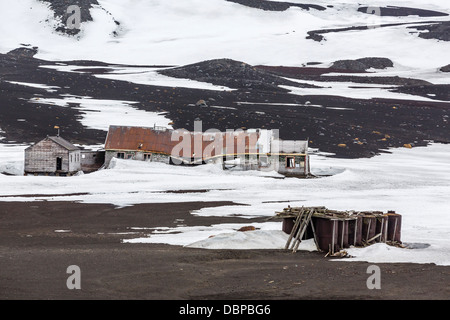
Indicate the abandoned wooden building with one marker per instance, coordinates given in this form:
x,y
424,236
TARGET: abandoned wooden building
x,y
243,150
57,156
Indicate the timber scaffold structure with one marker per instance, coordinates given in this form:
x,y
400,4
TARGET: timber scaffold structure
x,y
334,230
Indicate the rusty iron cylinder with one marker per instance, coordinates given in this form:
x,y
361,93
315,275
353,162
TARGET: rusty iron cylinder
x,y
369,225
355,232
394,227
288,225
327,231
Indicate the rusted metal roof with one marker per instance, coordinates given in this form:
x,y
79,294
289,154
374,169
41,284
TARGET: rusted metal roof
x,y
147,139
185,144
139,138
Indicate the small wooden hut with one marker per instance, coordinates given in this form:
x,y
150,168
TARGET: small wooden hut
x,y
52,156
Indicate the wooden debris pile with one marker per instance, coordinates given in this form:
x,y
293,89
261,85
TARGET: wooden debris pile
x,y
335,230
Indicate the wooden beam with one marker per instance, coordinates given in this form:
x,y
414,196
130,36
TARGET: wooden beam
x,y
295,227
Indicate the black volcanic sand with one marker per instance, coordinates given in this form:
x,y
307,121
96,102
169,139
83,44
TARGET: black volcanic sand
x,y
366,127
34,259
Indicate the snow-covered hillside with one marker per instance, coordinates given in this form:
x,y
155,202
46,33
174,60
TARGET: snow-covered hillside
x,y
173,32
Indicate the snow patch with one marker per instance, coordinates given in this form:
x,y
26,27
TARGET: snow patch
x,y
100,113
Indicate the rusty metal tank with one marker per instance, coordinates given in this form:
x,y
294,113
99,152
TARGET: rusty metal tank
x,y
382,223
288,225
355,231
369,225
342,239
394,227
327,234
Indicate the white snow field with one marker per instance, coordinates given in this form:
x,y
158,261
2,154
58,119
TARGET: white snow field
x,y
413,182
173,32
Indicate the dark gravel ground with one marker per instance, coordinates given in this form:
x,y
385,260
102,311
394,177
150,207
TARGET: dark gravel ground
x,y
34,259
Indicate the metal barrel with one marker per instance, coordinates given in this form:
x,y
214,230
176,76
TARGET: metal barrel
x,y
355,231
327,234
369,224
394,227
381,228
288,225
343,234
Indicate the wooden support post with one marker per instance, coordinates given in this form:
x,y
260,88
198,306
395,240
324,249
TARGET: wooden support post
x,y
314,234
373,238
302,230
295,227
381,230
386,230
395,229
368,229
299,232
332,237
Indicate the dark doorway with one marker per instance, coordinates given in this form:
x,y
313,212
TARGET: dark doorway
x,y
58,163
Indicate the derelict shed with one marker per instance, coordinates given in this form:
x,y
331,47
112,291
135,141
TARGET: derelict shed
x,y
253,149
52,156
166,145
138,143
293,156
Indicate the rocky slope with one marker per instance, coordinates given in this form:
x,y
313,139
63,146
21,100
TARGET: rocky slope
x,y
346,126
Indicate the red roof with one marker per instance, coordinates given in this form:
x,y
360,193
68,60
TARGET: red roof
x,y
172,142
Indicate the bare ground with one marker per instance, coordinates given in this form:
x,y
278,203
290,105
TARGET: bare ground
x,y
34,260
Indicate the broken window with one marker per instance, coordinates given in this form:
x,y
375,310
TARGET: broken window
x,y
302,162
263,161
290,162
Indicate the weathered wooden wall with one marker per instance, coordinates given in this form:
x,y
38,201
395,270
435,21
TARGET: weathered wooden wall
x,y
135,155
42,158
92,160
